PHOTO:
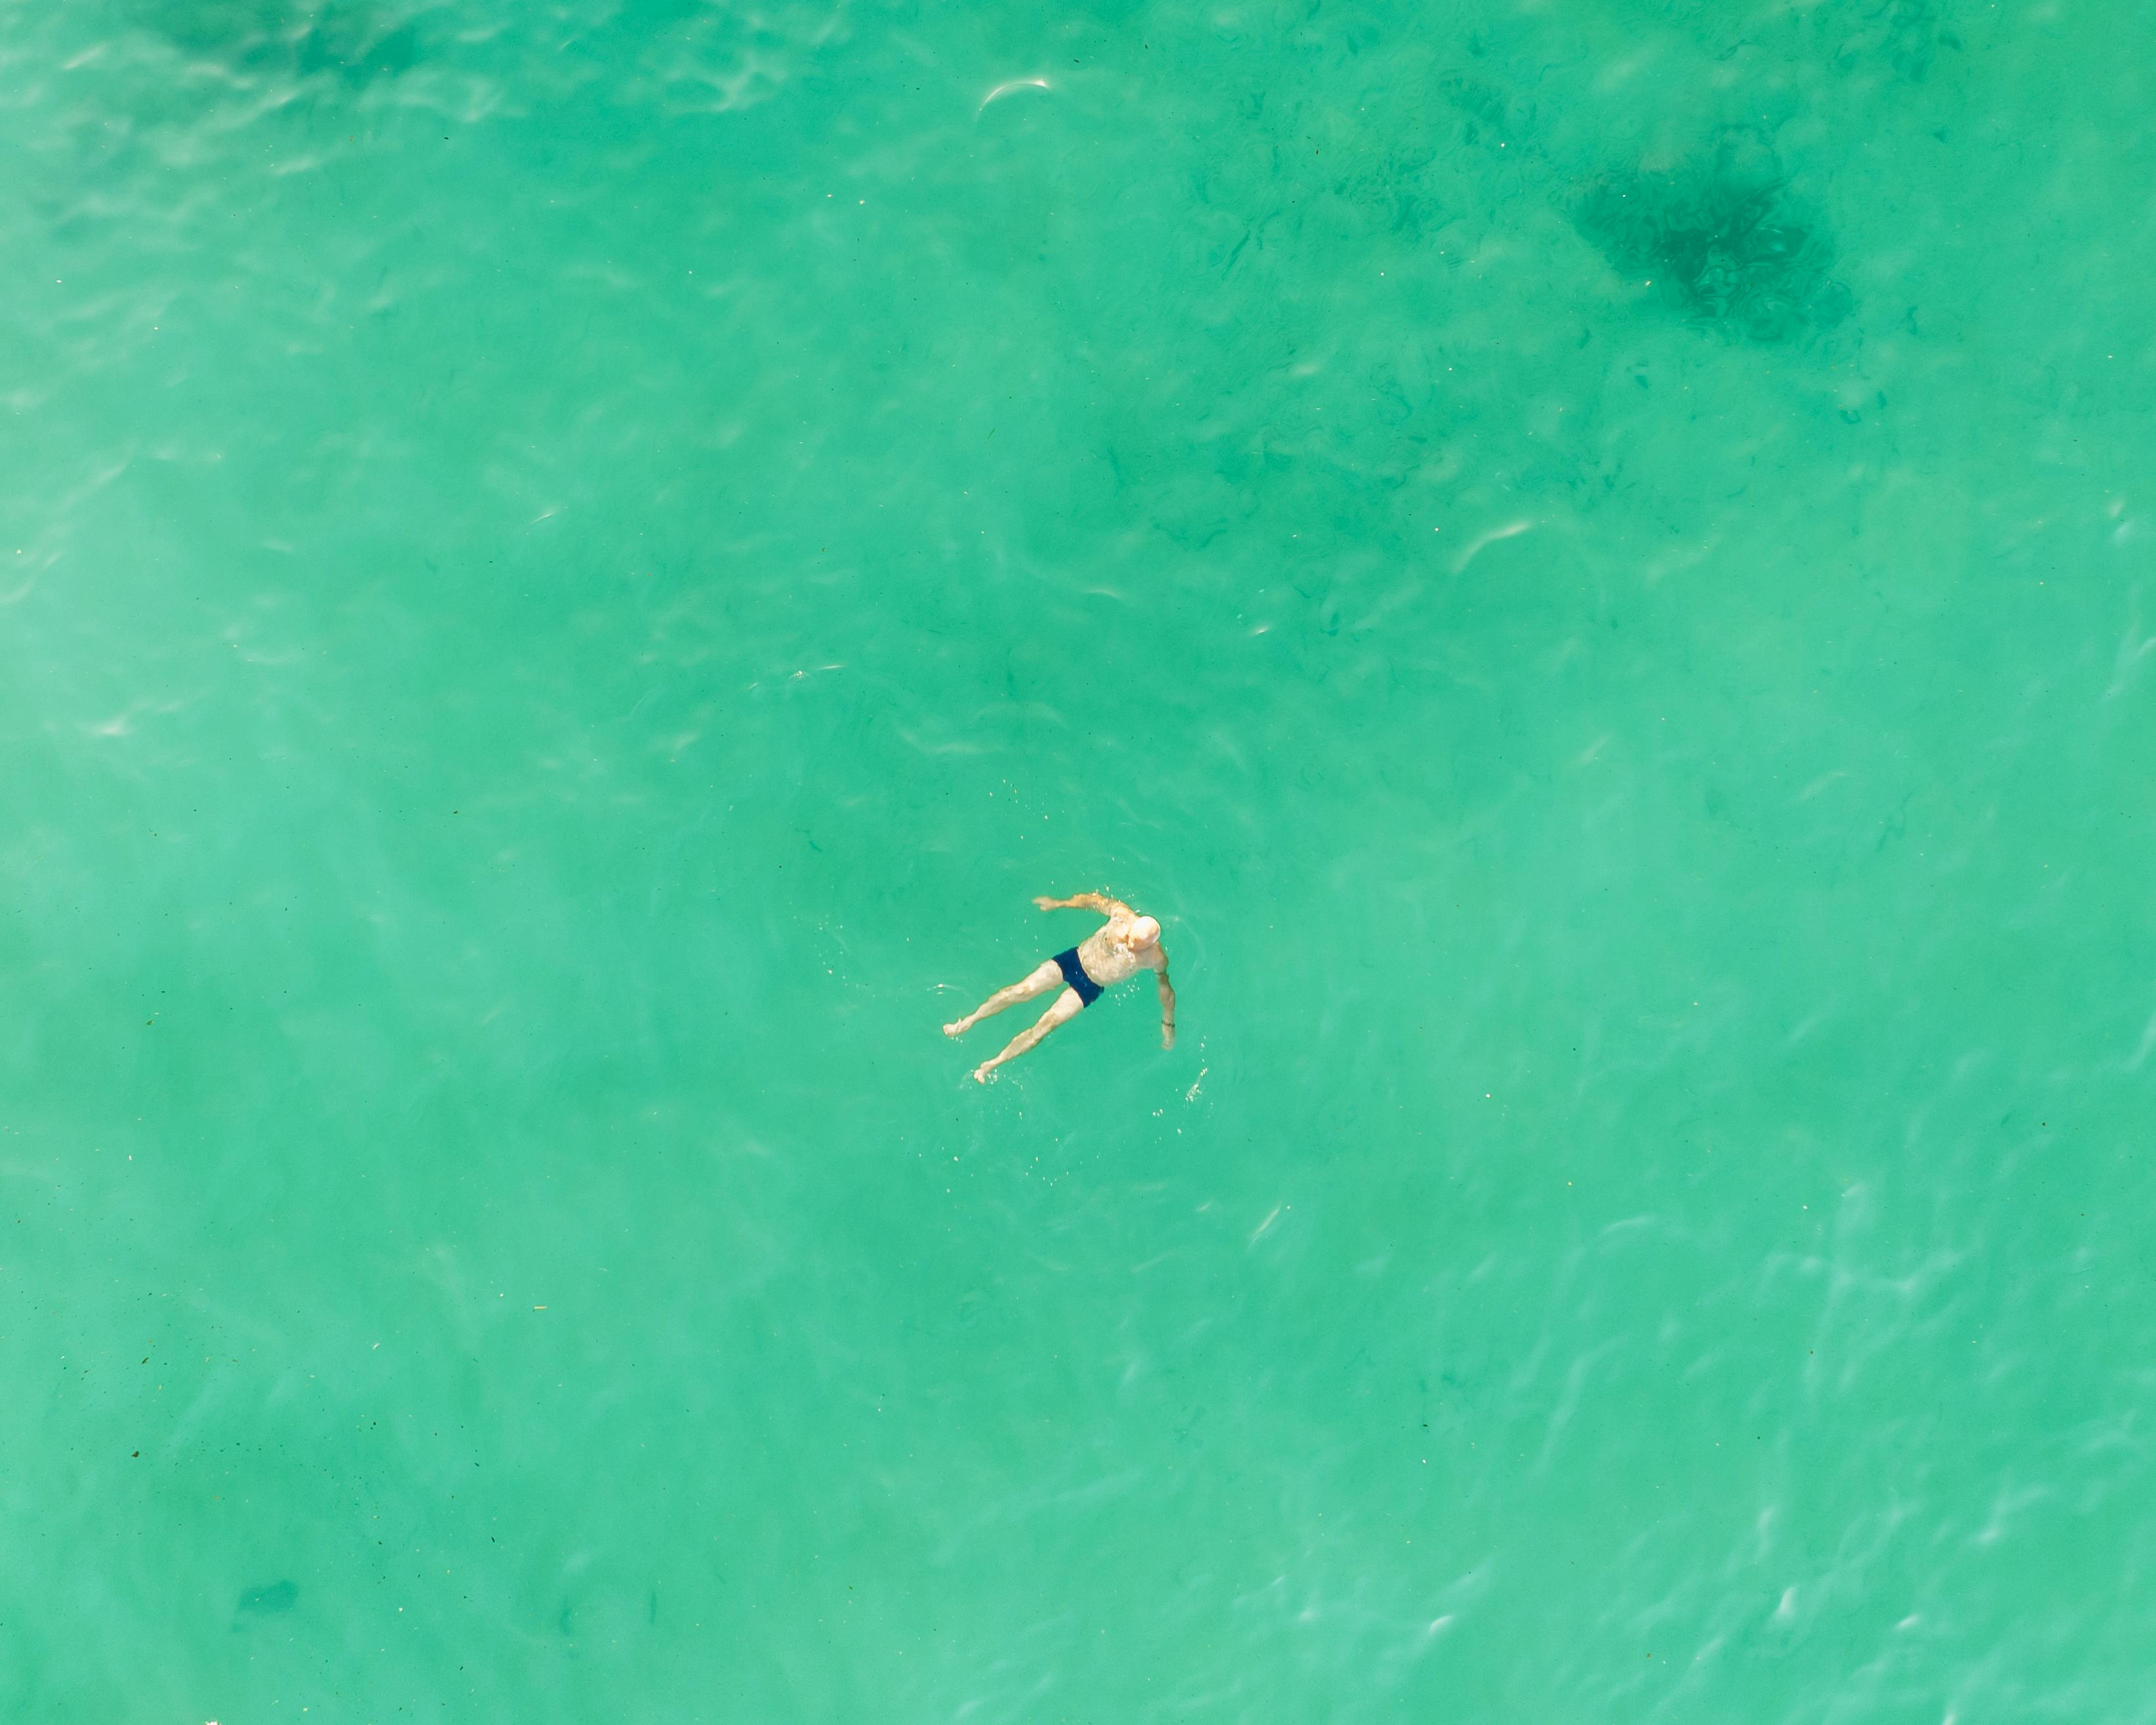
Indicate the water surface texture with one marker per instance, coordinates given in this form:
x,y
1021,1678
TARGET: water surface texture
x,y
573,568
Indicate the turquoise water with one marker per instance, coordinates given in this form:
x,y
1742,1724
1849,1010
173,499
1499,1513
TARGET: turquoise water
x,y
576,567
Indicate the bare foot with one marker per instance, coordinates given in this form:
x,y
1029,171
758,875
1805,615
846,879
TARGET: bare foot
x,y
957,1027
983,1074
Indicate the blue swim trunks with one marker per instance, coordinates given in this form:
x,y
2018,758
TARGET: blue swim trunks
x,y
1073,973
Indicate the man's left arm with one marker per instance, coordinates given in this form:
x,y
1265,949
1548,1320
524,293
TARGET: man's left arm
x,y
1167,1004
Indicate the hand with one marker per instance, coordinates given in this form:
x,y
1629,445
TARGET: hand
x,y
1048,904
1167,1036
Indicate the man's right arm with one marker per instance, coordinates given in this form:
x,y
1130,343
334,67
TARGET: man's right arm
x,y
1085,902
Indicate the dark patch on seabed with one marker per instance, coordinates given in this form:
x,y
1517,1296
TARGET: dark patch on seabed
x,y
1906,35
1723,239
351,42
259,1602
1493,114
1903,38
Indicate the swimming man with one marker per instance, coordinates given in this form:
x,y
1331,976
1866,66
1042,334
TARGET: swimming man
x,y
1125,944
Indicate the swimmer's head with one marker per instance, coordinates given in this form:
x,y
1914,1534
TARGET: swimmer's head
x,y
1144,931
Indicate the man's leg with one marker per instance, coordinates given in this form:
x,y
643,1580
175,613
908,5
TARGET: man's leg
x,y
1067,1006
1045,976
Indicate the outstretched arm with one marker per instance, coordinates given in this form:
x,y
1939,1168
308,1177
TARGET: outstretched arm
x,y
1085,901
1167,1005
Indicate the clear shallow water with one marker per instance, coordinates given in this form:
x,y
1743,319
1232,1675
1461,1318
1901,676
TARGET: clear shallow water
x,y
574,571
